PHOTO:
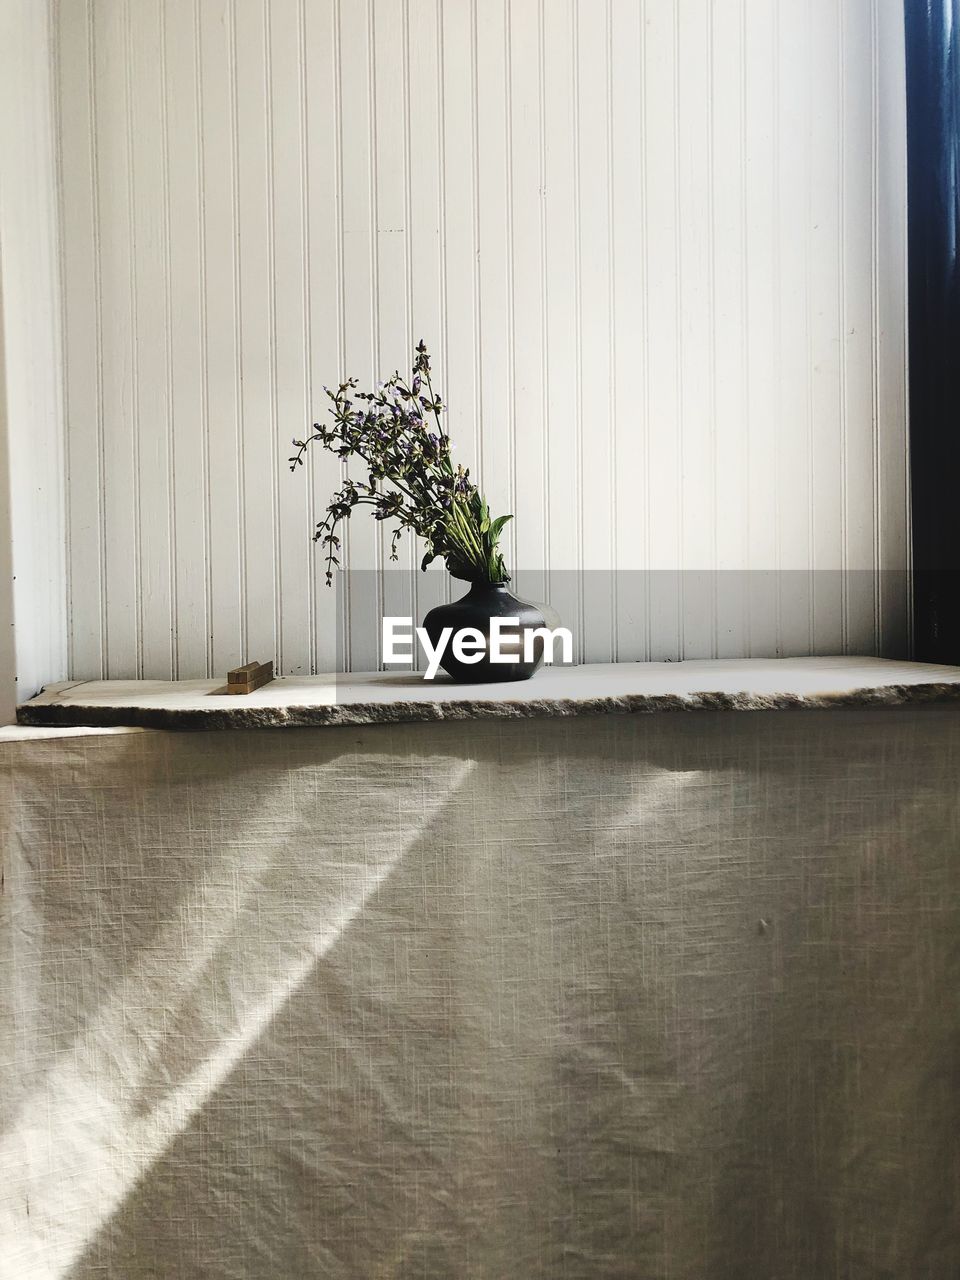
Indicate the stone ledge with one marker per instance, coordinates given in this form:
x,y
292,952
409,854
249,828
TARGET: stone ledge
x,y
589,690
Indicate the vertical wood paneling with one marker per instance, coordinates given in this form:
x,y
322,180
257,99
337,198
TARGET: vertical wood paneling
x,y
220,421
594,321
659,395
117,288
80,275
33,648
696,421
493,177
358,177
859,418
256,267
629,356
152,309
527,354
426,220
562,262
655,248
890,267
459,230
394,323
189,422
795,339
826,333
761,251
728,302
324,287
288,307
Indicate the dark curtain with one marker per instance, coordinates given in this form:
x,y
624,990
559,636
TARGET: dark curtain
x,y
933,148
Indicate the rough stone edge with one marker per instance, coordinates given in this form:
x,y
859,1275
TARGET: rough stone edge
x,y
347,715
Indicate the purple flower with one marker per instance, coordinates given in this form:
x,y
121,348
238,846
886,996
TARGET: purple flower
x,y
410,477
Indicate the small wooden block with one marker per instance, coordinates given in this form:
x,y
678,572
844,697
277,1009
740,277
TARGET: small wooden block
x,y
249,677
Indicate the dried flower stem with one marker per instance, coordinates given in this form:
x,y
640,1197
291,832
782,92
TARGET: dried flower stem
x,y
410,475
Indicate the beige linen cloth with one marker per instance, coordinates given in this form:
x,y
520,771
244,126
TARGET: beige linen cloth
x,y
671,996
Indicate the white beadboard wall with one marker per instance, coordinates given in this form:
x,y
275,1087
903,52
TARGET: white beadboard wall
x,y
33,647
656,246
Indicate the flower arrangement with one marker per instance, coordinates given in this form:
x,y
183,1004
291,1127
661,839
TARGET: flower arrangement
x,y
397,433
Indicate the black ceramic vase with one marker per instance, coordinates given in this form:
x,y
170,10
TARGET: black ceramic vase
x,y
481,603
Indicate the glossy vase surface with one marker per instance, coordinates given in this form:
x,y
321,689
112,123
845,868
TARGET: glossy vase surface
x,y
474,610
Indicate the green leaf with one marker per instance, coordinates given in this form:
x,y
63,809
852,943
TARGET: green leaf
x,y
496,526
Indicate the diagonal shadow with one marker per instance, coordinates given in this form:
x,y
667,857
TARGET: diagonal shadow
x,y
413,992
113,1101
555,1042
117,839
